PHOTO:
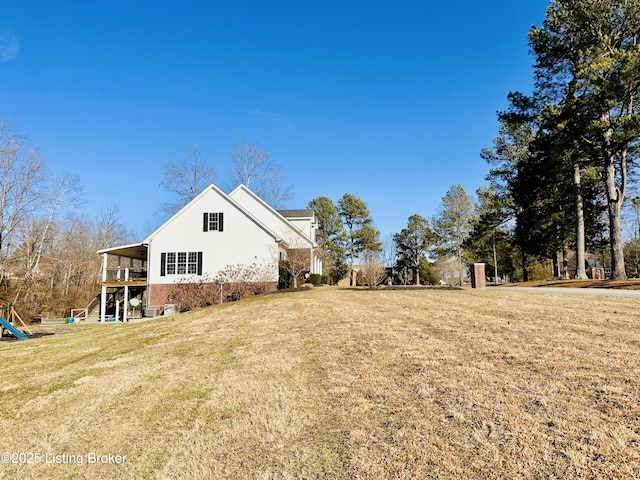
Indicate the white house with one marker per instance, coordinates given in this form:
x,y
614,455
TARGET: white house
x,y
213,231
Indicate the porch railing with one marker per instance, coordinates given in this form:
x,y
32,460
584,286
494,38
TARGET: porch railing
x,y
126,274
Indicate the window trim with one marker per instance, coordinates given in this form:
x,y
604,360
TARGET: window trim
x,y
207,220
180,263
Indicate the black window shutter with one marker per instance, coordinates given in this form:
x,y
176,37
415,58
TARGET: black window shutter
x,y
205,222
199,263
220,221
163,262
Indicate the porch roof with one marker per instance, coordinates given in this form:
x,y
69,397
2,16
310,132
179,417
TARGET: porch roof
x,y
137,251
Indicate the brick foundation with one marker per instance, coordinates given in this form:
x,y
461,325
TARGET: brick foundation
x,y
158,294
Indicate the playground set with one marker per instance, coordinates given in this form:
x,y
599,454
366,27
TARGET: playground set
x,y
8,324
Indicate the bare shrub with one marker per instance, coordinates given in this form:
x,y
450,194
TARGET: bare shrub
x,y
241,281
373,271
447,270
194,293
234,282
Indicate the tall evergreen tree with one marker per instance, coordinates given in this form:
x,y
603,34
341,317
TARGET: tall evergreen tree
x,y
330,236
453,224
490,240
414,241
587,57
361,235
507,159
538,165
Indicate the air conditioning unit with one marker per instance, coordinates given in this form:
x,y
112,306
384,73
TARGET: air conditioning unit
x,y
152,312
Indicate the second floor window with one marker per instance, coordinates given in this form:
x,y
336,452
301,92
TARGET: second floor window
x,y
213,222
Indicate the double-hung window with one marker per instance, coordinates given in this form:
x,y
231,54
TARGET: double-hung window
x,y
171,263
192,263
182,263
213,222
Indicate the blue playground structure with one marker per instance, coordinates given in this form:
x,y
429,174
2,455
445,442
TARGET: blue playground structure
x,y
13,330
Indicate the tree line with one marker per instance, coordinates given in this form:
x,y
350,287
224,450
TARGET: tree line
x,y
561,171
48,260
346,235
563,162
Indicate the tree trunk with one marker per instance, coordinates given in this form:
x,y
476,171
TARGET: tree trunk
x,y
615,197
460,266
616,245
352,280
495,261
581,272
614,205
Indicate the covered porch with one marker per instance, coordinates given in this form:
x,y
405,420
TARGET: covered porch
x,y
123,293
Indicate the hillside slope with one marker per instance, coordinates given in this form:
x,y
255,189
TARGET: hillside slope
x,y
334,383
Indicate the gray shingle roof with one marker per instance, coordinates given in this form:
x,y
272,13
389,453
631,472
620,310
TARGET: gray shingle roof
x,y
296,213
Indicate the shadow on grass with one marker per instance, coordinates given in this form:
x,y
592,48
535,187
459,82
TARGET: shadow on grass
x,y
11,338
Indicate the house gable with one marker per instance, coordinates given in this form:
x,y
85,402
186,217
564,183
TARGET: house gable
x,y
274,220
210,233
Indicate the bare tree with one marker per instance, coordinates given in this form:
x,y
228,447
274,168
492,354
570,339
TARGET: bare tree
x,y
253,169
61,196
22,176
74,267
186,178
297,258
389,253
109,227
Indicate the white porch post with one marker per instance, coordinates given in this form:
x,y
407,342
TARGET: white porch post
x,y
103,292
126,296
117,303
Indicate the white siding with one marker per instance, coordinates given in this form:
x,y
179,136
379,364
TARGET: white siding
x,y
299,233
305,225
269,217
242,240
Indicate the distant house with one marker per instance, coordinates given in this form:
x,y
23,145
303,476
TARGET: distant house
x,y
213,231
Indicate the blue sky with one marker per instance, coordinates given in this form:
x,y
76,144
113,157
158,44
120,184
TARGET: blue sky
x,y
390,101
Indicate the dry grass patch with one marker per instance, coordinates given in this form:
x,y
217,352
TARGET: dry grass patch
x,y
334,383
